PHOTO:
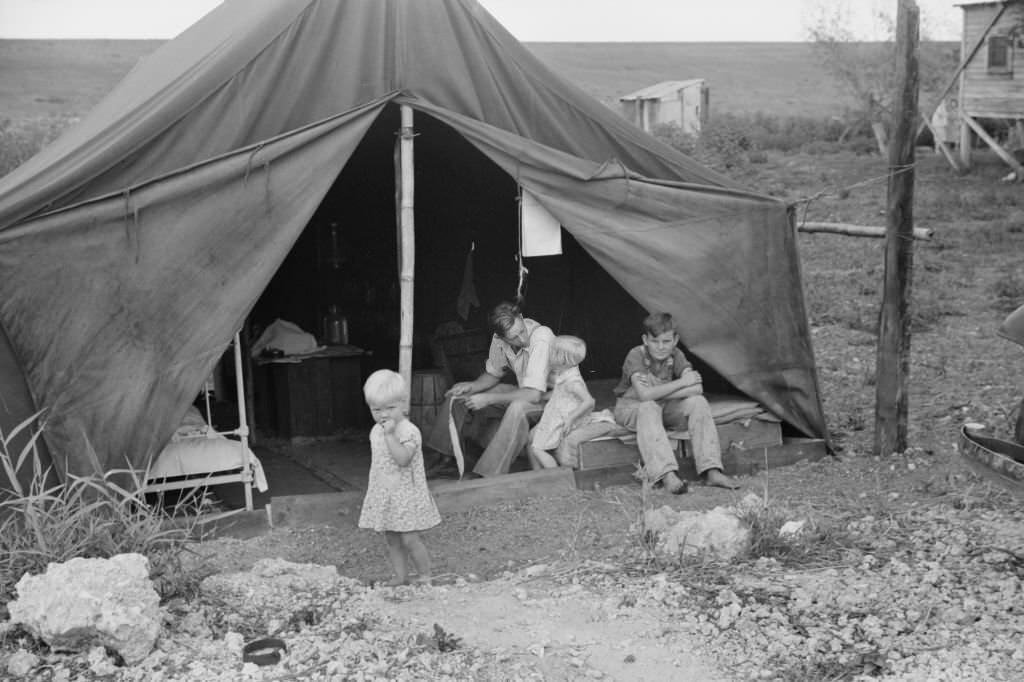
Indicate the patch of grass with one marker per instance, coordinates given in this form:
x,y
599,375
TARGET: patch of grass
x,y
19,142
815,543
84,516
1008,292
731,141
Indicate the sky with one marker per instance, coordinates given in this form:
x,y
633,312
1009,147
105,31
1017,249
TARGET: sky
x,y
527,20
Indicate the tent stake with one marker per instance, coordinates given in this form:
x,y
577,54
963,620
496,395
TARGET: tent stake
x,y
407,245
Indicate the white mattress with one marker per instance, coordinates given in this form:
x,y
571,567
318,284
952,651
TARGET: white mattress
x,y
207,454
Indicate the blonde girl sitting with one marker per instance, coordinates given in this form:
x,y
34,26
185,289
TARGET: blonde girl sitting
x,y
570,403
398,502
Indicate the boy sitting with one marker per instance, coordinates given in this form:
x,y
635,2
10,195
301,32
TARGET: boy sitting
x,y
659,389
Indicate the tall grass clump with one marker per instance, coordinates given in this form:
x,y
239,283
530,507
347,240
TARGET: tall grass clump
x,y
21,141
728,140
44,521
814,544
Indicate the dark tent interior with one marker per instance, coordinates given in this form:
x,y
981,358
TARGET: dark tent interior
x,y
347,256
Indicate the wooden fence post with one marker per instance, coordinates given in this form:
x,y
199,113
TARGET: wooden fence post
x,y
893,359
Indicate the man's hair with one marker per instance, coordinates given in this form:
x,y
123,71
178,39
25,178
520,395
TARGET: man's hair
x,y
503,316
568,350
384,385
657,324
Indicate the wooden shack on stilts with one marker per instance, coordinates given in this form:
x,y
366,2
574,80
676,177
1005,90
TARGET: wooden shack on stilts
x,y
990,82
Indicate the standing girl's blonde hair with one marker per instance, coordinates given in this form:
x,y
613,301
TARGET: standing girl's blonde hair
x,y
398,502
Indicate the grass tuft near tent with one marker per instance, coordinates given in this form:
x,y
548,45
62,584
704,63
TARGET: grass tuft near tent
x,y
86,516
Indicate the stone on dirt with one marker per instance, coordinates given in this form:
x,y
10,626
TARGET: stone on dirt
x,y
719,532
84,603
21,663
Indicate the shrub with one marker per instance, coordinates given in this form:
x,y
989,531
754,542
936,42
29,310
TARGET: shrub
x,y
816,543
732,140
1008,291
85,516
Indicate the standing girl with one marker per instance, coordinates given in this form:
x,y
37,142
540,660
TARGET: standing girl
x,y
397,501
569,405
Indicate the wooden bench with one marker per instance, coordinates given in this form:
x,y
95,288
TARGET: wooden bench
x,y
606,454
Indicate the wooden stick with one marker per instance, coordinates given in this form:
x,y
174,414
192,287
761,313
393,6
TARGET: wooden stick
x,y
407,245
243,425
893,357
1002,153
922,233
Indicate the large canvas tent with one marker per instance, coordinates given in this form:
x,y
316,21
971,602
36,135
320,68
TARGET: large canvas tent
x,y
134,247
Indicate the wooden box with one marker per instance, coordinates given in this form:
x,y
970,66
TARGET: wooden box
x,y
312,396
749,433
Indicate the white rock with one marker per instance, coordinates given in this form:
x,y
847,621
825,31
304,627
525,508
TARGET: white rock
x,y
718,532
21,663
792,528
234,642
83,603
99,663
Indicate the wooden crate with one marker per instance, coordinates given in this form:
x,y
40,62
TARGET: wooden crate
x,y
749,433
617,451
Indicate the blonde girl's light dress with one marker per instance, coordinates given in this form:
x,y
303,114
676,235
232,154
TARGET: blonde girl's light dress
x,y
397,498
549,430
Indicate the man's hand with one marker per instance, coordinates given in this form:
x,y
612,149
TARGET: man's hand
x,y
477,401
691,377
461,388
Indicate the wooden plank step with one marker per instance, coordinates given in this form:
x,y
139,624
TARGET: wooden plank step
x,y
749,461
736,462
344,507
316,508
465,494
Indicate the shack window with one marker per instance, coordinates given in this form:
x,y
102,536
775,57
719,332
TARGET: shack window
x,y
1000,55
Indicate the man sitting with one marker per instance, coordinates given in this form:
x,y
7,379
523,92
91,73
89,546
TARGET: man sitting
x,y
494,414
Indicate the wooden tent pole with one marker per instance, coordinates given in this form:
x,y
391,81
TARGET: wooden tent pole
x,y
893,358
407,245
243,425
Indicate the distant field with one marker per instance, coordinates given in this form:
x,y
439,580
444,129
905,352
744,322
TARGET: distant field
x,y
774,78
68,77
63,77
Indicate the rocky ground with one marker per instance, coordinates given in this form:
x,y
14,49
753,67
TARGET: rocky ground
x,y
910,570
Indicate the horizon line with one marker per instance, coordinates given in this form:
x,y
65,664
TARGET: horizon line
x,y
534,42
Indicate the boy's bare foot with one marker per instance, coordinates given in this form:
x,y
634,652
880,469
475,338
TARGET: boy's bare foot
x,y
423,580
395,582
717,478
674,484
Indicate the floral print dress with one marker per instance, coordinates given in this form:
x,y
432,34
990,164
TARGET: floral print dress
x,y
397,498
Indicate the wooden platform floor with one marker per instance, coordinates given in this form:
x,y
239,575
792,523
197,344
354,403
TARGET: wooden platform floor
x,y
324,481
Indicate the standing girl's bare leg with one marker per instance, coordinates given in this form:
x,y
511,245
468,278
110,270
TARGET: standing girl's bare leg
x,y
396,554
413,544
541,459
